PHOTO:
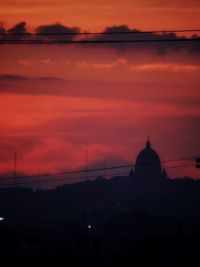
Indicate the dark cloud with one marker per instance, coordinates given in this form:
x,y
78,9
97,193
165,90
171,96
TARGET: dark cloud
x,y
61,33
56,32
114,34
15,78
2,30
54,86
42,33
11,77
19,31
17,84
19,28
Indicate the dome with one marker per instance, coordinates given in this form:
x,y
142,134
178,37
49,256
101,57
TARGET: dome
x,y
148,161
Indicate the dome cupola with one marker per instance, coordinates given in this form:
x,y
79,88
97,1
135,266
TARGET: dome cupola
x,y
148,162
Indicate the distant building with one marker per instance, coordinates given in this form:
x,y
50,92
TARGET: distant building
x,y
148,165
147,176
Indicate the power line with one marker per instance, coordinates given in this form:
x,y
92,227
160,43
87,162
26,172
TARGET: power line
x,y
87,41
62,42
82,179
98,33
99,169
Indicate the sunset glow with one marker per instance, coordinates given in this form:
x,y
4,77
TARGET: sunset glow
x,y
59,101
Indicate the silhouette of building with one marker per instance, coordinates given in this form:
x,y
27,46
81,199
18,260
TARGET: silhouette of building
x,y
147,177
148,165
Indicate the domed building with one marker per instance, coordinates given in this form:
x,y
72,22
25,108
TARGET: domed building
x,y
148,161
146,177
148,164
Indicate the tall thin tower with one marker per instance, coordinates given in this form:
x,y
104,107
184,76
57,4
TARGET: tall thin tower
x,y
15,169
86,164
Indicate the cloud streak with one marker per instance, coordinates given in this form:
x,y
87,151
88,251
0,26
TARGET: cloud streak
x,y
160,67
18,78
159,93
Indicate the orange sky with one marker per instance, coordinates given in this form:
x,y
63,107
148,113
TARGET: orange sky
x,y
95,15
58,102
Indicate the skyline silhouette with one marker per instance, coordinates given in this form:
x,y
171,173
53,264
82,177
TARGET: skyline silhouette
x,y
92,219
146,161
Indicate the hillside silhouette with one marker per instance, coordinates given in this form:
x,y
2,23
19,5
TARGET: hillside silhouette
x,y
122,218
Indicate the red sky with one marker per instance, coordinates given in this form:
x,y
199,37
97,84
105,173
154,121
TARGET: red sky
x,y
59,101
93,14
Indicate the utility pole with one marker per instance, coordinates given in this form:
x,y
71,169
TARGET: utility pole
x,y
39,181
104,167
15,206
15,169
86,164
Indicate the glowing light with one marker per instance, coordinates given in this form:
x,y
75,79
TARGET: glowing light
x,y
1,218
89,226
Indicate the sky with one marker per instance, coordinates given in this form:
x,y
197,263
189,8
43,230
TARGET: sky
x,y
59,101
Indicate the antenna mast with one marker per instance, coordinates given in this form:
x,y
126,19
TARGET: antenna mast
x,y
15,169
86,164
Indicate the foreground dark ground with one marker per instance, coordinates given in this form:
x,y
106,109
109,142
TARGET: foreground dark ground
x,y
143,242
119,221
